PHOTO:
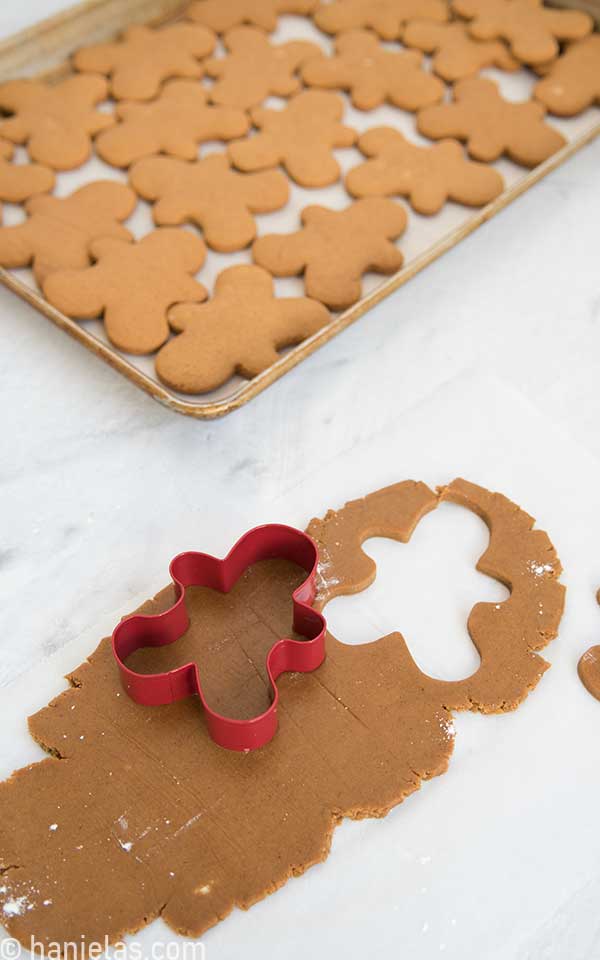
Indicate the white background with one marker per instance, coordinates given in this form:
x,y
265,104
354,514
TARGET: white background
x,y
486,365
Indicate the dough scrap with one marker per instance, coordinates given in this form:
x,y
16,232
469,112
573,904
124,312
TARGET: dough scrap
x,y
385,17
138,814
531,29
427,176
334,248
175,123
55,121
300,137
572,82
491,126
222,15
132,285
145,56
239,331
58,231
20,181
211,195
372,74
456,54
255,68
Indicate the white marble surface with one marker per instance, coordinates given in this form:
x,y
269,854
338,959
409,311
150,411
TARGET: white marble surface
x,y
486,365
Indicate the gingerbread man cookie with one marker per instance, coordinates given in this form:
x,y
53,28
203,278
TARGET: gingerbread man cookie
x,y
335,248
531,29
386,17
175,123
145,56
56,121
239,331
210,194
373,74
427,176
59,230
255,68
456,54
132,285
573,81
300,137
221,15
491,126
19,181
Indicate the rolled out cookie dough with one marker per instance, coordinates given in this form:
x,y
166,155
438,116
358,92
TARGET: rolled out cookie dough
x,y
137,814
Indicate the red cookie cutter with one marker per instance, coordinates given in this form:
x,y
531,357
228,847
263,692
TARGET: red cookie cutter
x,y
200,569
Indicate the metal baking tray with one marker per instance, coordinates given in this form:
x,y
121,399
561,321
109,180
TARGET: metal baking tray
x,y
44,49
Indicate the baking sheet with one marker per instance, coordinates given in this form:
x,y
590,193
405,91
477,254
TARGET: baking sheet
x,y
425,238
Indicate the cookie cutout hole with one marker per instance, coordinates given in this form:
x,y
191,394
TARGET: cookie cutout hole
x,y
426,590
229,637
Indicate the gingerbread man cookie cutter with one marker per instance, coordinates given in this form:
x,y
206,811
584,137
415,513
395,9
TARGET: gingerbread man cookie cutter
x,y
201,569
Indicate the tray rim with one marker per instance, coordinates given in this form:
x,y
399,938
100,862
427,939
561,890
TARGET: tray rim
x,y
74,17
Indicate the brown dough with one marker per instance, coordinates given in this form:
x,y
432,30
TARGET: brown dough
x,y
335,248
373,74
428,176
210,194
239,331
300,137
221,15
255,68
491,126
138,814
175,123
386,17
589,667
56,121
531,29
456,54
59,230
19,181
573,81
145,56
132,285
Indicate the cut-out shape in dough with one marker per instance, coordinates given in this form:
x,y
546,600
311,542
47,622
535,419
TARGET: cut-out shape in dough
x,y
334,248
240,330
572,83
182,829
427,176
301,137
210,194
456,54
491,125
373,74
132,285
144,56
385,17
175,123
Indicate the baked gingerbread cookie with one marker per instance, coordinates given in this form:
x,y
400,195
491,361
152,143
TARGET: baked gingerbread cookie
x,y
255,68
456,54
175,123
372,74
491,126
210,194
221,15
19,181
56,121
427,176
385,17
572,83
530,28
144,56
239,331
58,231
132,285
335,248
300,137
